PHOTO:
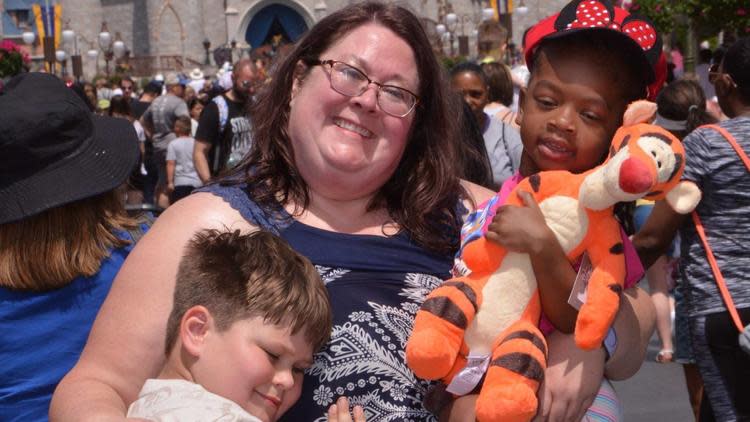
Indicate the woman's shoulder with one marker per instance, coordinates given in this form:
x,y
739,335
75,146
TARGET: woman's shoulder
x,y
203,210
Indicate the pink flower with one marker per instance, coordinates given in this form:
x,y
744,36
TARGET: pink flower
x,y
741,11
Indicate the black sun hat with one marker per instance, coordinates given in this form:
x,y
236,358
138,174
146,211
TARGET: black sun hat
x,y
53,150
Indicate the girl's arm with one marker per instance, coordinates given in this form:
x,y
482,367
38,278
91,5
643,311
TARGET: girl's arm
x,y
523,229
654,238
126,344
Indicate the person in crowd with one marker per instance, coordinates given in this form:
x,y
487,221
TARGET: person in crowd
x,y
127,86
702,69
120,107
150,92
248,314
568,115
501,140
473,155
90,90
80,90
63,229
499,92
195,108
181,175
103,87
354,164
717,169
224,135
681,109
158,120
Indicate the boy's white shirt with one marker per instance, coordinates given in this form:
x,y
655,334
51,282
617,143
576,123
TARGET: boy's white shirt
x,y
173,400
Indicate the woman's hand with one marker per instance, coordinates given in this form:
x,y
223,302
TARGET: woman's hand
x,y
521,229
571,382
339,412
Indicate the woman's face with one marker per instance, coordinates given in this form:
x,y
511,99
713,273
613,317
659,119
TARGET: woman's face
x,y
90,92
347,147
473,90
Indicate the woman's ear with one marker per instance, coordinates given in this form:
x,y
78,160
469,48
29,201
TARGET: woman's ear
x,y
299,72
195,326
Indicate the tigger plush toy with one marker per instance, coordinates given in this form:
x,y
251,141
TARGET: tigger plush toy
x,y
489,318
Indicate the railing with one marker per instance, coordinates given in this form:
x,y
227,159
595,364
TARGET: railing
x,y
150,65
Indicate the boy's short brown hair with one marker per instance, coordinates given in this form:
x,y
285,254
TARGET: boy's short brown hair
x,y
182,125
237,276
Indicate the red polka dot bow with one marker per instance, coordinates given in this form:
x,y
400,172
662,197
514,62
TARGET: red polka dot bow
x,y
598,14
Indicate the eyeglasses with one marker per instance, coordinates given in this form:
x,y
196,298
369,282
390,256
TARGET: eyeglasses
x,y
352,82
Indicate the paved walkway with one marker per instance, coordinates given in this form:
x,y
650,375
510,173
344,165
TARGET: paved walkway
x,y
657,393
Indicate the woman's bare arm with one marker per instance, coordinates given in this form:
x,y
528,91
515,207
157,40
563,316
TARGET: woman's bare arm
x,y
127,341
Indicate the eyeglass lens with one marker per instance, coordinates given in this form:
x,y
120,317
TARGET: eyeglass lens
x,y
350,81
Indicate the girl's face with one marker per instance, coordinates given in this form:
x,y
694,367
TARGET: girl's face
x,y
195,112
569,113
347,147
473,90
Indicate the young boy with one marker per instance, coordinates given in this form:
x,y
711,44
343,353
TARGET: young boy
x,y
181,175
248,314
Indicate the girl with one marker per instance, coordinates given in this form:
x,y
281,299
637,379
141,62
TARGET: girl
x,y
568,114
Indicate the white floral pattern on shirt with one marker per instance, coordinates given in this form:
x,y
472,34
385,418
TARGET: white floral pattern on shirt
x,y
365,359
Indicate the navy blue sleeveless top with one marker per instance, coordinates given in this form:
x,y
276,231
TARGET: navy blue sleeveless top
x,y
376,285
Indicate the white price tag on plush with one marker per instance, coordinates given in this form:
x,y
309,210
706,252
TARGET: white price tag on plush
x,y
578,292
466,380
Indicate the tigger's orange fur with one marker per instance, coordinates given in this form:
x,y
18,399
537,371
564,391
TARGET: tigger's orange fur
x,y
496,308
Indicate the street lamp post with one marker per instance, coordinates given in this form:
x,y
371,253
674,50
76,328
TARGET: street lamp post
x,y
105,44
207,47
62,57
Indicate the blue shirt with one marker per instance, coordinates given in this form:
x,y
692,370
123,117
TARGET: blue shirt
x,y
43,334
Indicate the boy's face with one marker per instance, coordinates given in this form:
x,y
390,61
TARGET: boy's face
x,y
257,365
569,112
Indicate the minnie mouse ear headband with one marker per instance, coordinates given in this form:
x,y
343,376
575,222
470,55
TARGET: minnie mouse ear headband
x,y
53,150
588,15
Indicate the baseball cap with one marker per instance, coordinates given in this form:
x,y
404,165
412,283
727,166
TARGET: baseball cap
x,y
601,15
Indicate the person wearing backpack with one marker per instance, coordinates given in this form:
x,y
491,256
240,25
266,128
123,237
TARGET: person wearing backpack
x,y
224,136
716,160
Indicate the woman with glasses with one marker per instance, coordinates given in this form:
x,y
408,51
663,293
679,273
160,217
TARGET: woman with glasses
x,y
353,163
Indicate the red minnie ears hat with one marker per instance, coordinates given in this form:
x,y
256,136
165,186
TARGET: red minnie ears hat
x,y
586,15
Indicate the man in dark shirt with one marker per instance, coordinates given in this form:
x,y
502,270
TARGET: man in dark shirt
x,y
224,130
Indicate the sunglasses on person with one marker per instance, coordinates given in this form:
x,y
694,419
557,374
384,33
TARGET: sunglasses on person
x,y
353,82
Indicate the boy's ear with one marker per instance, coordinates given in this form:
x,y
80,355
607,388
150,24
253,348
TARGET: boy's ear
x,y
195,326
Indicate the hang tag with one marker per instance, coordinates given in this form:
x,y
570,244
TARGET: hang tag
x,y
466,380
578,293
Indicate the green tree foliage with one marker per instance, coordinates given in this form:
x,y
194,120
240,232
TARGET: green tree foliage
x,y
709,16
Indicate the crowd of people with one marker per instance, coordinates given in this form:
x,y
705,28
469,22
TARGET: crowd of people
x,y
304,215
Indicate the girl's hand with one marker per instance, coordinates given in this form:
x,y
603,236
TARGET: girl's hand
x,y
339,412
571,382
521,229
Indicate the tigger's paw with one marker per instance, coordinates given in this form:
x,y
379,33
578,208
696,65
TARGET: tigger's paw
x,y
507,404
430,354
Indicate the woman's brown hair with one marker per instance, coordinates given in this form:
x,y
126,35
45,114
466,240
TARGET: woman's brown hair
x,y
49,250
422,194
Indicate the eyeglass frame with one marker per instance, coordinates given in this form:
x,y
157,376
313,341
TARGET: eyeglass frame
x,y
330,63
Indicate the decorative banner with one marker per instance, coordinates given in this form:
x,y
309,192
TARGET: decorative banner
x,y
501,7
48,22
